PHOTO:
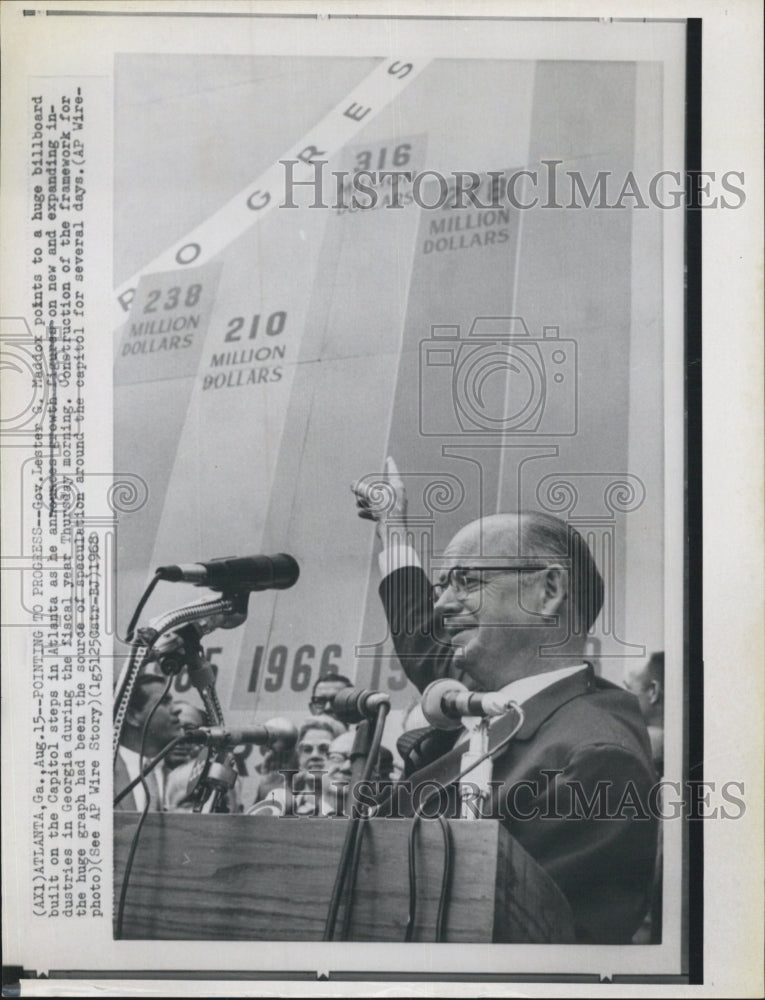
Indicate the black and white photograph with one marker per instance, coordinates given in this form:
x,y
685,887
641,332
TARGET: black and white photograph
x,y
359,502
452,325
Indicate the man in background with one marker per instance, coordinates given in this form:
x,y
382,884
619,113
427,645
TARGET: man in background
x,y
647,684
323,692
335,795
190,717
164,726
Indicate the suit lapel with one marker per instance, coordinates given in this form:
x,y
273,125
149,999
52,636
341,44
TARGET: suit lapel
x,y
539,708
129,804
121,779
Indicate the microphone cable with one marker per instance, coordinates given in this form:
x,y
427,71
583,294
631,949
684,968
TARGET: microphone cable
x,y
140,606
144,814
145,642
129,673
445,880
373,756
122,699
446,872
351,836
446,877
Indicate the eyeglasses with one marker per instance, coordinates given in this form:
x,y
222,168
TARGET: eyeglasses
x,y
465,579
338,758
320,706
310,748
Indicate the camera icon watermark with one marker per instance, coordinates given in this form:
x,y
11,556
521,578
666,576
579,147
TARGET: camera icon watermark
x,y
497,380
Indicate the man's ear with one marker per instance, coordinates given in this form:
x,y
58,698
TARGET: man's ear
x,y
554,589
133,718
653,689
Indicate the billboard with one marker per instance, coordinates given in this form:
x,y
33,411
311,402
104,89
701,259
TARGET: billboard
x,y
467,285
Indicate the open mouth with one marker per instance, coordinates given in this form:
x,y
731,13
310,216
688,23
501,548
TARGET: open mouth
x,y
455,627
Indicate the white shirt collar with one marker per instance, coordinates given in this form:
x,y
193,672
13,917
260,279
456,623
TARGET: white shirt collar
x,y
526,687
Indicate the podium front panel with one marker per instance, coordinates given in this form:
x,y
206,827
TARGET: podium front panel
x,y
262,878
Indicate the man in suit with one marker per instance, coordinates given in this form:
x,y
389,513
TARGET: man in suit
x,y
165,725
572,774
190,717
646,682
324,690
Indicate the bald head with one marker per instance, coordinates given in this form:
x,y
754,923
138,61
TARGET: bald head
x,y
646,682
537,536
516,596
492,536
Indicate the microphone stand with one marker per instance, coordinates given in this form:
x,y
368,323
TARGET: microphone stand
x,y
209,790
362,744
189,624
366,746
226,612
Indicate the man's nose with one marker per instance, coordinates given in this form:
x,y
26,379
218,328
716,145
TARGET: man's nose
x,y
448,603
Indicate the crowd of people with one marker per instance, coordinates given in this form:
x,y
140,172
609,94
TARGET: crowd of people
x,y
307,777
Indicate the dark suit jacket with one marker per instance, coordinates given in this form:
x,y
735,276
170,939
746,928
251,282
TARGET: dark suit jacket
x,y
572,786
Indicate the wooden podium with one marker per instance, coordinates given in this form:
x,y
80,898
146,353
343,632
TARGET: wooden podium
x,y
263,878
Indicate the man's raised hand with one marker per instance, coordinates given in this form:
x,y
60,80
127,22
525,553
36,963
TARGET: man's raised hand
x,y
382,500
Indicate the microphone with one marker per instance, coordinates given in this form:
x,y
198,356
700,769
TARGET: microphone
x,y
445,701
223,736
352,704
245,573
